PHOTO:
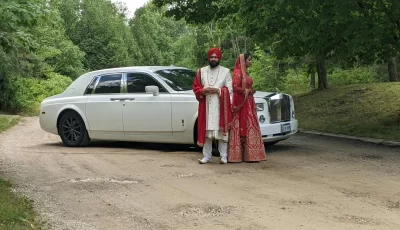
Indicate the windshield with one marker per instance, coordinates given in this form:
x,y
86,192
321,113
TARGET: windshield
x,y
178,79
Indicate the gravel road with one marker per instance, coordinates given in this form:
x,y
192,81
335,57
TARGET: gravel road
x,y
307,182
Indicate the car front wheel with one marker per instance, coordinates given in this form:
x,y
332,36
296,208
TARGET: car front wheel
x,y
72,130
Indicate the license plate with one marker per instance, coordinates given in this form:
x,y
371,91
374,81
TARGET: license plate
x,y
286,128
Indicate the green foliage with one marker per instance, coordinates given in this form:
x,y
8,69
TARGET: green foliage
x,y
357,75
265,72
16,17
162,40
25,93
66,38
195,11
296,82
55,50
99,29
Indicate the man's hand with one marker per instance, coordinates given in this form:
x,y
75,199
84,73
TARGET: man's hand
x,y
209,90
213,91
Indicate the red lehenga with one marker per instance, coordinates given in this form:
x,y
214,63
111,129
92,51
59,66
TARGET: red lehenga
x,y
245,140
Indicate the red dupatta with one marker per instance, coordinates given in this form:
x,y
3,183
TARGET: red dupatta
x,y
225,119
239,84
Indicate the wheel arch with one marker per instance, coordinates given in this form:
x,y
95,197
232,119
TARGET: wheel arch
x,y
72,109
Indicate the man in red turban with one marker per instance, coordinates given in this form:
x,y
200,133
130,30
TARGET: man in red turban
x,y
213,89
215,51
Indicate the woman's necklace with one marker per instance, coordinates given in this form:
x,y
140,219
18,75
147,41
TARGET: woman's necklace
x,y
208,77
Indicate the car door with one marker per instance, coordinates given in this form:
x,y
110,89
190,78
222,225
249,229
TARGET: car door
x,y
145,113
184,103
103,105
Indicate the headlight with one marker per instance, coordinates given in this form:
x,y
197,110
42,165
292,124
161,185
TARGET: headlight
x,y
293,114
260,106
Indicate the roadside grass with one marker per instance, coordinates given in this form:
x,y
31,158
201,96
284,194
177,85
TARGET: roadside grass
x,y
363,110
7,121
15,212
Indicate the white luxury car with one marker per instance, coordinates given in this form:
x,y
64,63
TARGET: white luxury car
x,y
146,104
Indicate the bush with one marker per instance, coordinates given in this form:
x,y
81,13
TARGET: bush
x,y
265,72
297,81
26,94
357,75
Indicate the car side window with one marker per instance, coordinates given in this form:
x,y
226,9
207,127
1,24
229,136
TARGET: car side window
x,y
91,86
109,84
137,82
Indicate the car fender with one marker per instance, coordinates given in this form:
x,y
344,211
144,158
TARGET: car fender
x,y
75,108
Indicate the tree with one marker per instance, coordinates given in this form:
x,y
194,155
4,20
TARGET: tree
x,y
99,28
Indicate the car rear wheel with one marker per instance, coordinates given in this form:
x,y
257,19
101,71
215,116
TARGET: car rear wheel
x,y
72,130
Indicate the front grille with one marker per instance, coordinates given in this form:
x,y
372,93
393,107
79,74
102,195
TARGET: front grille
x,y
279,108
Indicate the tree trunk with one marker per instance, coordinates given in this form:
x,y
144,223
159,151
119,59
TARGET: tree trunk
x,y
393,76
322,74
311,72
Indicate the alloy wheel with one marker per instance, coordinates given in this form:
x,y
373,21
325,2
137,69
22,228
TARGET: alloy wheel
x,y
71,129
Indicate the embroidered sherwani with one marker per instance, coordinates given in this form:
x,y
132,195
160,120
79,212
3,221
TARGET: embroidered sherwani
x,y
214,110
215,78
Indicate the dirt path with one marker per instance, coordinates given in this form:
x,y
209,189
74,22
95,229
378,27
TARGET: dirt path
x,y
307,183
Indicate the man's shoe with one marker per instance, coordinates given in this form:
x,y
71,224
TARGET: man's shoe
x,y
205,160
223,161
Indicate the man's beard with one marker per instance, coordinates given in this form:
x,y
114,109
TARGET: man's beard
x,y
213,64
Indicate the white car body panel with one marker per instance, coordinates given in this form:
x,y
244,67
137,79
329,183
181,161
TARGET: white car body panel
x,y
169,117
100,110
147,114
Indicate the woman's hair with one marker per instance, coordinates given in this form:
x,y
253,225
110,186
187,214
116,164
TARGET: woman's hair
x,y
246,55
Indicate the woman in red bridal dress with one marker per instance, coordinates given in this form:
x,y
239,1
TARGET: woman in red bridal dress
x,y
245,140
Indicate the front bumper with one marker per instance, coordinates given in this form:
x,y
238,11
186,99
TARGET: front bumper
x,y
273,132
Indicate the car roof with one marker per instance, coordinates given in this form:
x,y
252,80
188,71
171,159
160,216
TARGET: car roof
x,y
133,68
80,84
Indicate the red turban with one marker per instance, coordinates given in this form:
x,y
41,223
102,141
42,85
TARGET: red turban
x,y
215,51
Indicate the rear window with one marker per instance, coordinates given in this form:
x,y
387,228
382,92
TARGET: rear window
x,y
109,84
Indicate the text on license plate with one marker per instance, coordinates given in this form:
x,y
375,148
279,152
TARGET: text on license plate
x,y
285,128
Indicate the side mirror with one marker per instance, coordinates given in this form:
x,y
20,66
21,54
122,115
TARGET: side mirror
x,y
152,89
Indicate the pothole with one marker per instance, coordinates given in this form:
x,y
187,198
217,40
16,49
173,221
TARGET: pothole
x,y
105,180
357,219
393,204
206,210
371,157
185,175
298,202
350,193
368,156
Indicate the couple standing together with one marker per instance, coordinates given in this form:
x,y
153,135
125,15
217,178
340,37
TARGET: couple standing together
x,y
227,111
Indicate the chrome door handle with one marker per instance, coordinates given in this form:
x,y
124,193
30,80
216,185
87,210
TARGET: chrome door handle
x,y
117,99
122,99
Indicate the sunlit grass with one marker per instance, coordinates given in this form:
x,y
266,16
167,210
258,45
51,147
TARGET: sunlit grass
x,y
365,110
15,212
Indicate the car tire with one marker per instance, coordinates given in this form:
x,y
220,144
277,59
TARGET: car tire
x,y
72,130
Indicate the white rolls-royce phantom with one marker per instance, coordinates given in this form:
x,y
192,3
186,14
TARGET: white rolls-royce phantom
x,y
146,104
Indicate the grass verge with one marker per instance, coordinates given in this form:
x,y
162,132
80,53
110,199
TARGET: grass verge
x,y
365,110
15,212
7,121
